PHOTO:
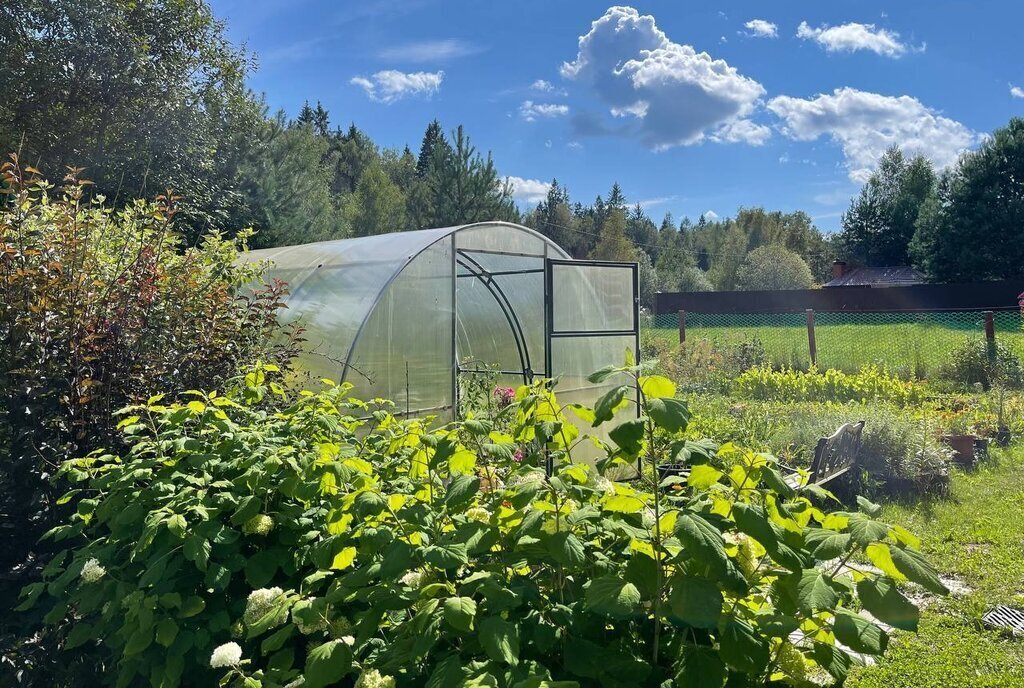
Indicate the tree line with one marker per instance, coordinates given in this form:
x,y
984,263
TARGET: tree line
x,y
963,224
153,96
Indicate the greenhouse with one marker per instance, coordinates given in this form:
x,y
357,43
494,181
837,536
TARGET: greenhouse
x,y
407,316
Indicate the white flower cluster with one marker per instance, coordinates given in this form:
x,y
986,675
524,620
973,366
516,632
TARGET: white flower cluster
x,y
414,579
258,525
92,571
371,678
478,513
527,478
261,602
227,655
603,484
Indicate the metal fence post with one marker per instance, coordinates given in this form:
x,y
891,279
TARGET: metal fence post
x,y
682,327
990,336
811,345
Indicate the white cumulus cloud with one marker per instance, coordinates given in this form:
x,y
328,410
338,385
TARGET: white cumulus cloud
x,y
528,190
710,215
854,36
668,93
390,85
865,124
531,111
1016,91
762,28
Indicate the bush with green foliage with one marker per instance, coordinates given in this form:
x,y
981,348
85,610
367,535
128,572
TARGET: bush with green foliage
x,y
773,267
330,543
871,383
97,308
972,363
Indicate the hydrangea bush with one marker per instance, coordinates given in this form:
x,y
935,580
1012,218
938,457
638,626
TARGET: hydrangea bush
x,y
324,541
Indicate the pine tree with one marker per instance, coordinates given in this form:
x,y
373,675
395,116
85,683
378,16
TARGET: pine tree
x,y
432,138
377,206
306,116
321,121
614,244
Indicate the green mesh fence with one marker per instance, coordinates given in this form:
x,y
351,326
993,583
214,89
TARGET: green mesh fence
x,y
911,344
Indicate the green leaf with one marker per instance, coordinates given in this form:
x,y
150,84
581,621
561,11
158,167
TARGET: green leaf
x,y
700,668
567,549
247,508
865,531
916,568
446,556
166,632
261,567
327,664
702,476
868,507
669,414
447,672
701,540
814,592
605,407
886,603
613,597
833,660
343,559
859,634
459,612
775,481
197,549
500,640
623,504
697,601
177,525
826,544
741,648
629,435
753,521
657,387
461,491
599,376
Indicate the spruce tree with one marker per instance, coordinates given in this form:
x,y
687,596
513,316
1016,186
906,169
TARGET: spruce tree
x,y
432,138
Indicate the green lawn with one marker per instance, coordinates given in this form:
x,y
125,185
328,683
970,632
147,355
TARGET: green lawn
x,y
913,345
976,536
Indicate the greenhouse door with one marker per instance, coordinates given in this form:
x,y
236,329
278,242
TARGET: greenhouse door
x,y
591,321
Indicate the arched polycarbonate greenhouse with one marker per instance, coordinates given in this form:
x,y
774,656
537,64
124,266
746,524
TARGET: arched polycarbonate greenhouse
x,y
405,316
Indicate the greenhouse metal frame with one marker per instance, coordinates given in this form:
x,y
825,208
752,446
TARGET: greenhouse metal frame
x,y
403,316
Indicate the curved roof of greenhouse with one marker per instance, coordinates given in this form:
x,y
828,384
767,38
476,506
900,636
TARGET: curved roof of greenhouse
x,y
382,305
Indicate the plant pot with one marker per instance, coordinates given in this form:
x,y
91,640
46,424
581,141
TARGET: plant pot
x,y
671,470
1003,437
963,448
981,449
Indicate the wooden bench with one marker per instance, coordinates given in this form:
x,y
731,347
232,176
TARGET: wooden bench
x,y
835,456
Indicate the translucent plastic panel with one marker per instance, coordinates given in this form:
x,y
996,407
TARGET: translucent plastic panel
x,y
506,239
404,351
492,315
591,298
573,359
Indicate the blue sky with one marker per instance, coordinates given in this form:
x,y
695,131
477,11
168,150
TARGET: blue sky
x,y
691,108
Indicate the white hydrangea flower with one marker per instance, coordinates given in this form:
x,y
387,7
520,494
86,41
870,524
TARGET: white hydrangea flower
x,y
348,640
92,571
258,525
603,485
371,678
478,513
413,579
227,655
262,601
527,478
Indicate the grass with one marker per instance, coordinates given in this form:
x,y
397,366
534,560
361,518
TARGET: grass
x,y
977,537
912,345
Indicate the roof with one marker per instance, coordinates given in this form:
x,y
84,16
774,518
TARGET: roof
x,y
892,276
